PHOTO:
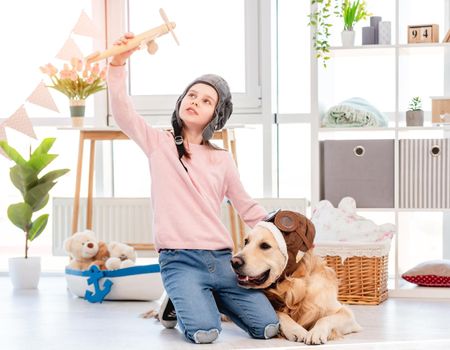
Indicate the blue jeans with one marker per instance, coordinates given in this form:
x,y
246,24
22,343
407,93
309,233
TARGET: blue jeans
x,y
202,284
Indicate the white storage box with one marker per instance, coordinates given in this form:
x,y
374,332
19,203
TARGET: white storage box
x,y
142,282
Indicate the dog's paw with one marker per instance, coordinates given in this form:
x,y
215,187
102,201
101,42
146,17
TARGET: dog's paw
x,y
149,314
297,334
317,335
224,318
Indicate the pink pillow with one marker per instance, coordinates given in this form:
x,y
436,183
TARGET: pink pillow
x,y
433,273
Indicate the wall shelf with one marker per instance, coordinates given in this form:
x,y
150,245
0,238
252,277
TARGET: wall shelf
x,y
388,76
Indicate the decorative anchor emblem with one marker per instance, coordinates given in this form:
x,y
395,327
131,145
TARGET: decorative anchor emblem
x,y
94,278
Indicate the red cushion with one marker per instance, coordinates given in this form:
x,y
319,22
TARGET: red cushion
x,y
428,280
433,273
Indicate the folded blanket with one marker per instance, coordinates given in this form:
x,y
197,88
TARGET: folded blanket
x,y
354,112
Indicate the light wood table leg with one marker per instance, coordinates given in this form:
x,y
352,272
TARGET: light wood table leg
x,y
227,141
76,202
239,243
90,185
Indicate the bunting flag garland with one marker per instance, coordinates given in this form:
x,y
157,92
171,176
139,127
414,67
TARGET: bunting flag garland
x,y
20,122
85,26
69,50
42,97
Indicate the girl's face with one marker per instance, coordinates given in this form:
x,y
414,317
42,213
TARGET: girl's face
x,y
198,105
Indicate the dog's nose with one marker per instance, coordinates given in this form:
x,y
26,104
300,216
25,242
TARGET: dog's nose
x,y
237,262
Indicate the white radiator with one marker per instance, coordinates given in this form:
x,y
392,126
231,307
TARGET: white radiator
x,y
130,219
114,219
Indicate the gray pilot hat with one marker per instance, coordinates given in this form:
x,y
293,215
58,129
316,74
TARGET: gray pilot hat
x,y
223,109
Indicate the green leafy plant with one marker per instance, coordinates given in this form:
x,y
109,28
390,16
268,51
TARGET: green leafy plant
x,y
319,20
353,12
415,104
34,188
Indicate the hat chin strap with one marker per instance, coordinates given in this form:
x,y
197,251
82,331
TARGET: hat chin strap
x,y
177,134
279,238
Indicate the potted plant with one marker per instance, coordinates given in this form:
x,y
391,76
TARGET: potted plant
x,y
352,12
77,82
25,176
414,116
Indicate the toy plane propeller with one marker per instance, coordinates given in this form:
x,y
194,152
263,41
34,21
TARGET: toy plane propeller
x,y
147,38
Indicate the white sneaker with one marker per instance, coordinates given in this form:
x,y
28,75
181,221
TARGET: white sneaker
x,y
167,314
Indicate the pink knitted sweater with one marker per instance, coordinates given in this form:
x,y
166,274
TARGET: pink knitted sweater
x,y
186,205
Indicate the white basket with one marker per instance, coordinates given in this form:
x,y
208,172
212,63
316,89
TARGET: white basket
x,y
132,283
348,249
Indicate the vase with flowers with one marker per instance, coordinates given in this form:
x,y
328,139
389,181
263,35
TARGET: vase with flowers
x,y
77,81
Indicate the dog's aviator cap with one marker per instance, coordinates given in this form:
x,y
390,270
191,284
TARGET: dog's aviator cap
x,y
298,233
288,221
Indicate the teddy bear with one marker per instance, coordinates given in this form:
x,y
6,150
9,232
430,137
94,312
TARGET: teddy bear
x,y
101,256
82,248
121,256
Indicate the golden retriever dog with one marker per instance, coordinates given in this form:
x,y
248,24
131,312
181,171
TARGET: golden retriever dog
x,y
279,258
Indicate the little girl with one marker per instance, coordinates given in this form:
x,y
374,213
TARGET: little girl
x,y
190,178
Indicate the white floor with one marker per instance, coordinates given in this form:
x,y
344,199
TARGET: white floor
x,y
50,318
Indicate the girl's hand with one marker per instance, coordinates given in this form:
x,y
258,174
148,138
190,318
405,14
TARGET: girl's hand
x,y
120,59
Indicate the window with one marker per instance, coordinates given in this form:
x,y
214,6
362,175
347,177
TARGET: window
x,y
294,99
294,93
209,44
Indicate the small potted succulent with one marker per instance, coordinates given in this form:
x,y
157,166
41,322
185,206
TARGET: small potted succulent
x,y
414,116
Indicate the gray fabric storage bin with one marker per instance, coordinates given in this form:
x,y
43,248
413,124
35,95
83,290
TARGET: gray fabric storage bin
x,y
424,173
362,169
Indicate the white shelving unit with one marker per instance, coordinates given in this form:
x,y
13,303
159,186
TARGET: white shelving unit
x,y
395,54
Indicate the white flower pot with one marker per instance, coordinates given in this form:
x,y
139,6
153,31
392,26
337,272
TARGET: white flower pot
x,y
348,38
77,111
25,273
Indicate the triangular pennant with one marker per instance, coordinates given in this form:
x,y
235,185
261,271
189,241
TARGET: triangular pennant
x,y
85,26
3,137
20,122
69,50
41,96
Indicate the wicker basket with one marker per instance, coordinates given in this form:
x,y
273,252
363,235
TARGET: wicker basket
x,y
362,270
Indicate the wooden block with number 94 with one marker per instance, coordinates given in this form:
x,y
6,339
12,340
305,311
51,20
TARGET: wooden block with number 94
x,y
426,33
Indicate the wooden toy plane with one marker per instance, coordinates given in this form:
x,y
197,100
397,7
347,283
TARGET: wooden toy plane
x,y
147,37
